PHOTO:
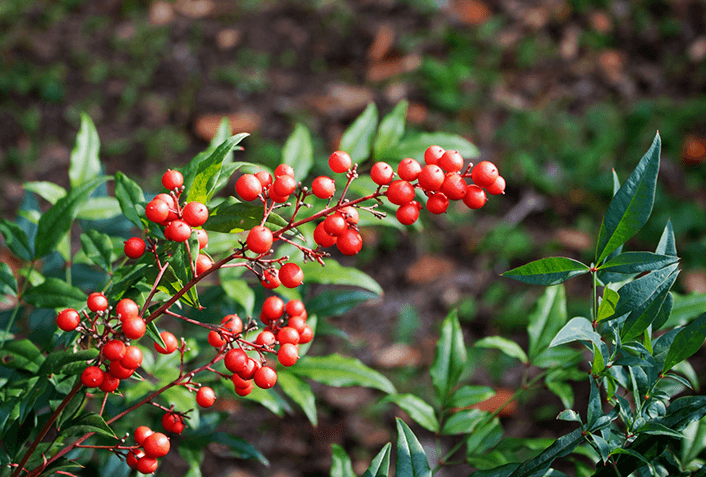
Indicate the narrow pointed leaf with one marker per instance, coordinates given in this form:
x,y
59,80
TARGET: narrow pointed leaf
x,y
411,460
85,164
203,185
508,347
450,358
55,293
130,197
560,448
667,242
635,293
341,464
358,138
336,370
8,282
90,423
46,190
608,303
232,216
418,409
391,129
547,271
632,204
595,409
687,342
578,328
16,239
380,466
98,248
664,312
298,152
643,316
299,392
637,262
547,319
153,333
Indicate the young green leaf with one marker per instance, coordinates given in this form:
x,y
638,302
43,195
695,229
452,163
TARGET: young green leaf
x,y
299,392
380,466
130,197
450,358
463,422
98,248
418,409
468,395
687,342
85,164
411,460
336,370
341,464
608,303
16,239
56,221
578,328
298,152
508,347
547,319
46,190
203,185
548,271
358,138
637,262
391,129
632,204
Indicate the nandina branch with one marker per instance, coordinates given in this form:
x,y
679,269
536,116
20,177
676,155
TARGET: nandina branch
x,y
162,269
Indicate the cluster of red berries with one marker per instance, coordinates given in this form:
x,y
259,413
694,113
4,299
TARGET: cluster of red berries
x,y
150,446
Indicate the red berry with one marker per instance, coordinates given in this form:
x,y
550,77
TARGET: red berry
x,y
203,238
195,214
134,328
451,161
297,322
433,154
265,377
248,187
431,178
407,214
141,434
307,335
97,302
284,170
114,350
215,339
340,161
240,383
156,445
260,239
288,335
92,377
169,419
322,237
454,187
323,187
236,360
272,308
203,263
335,224
484,174
134,247
147,465
169,340
167,199
172,179
288,354
295,308
475,197
126,308
349,242
437,203
284,185
133,456
250,368
244,391
400,192
265,179
178,427
68,319
270,279
265,338
409,169
350,213
498,186
381,173
291,275
110,383
178,231
280,199
132,358
120,371
157,211
205,397
232,323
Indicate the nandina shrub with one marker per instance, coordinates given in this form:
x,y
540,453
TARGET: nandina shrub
x,y
85,377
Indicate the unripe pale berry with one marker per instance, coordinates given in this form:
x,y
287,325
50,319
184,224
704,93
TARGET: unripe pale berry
x,y
134,247
340,161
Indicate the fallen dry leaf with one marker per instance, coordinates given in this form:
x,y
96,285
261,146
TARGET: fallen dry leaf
x,y
494,403
428,269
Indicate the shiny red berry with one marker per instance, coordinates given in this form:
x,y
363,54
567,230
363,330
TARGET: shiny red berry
x,y
156,445
120,371
202,236
437,203
170,341
451,161
323,187
272,309
381,173
134,247
205,397
323,238
157,211
236,360
114,350
291,275
295,308
400,192
288,335
433,154
134,328
132,358
92,377
288,354
335,224
248,187
97,302
498,186
232,323
409,169
484,174
141,433
203,263
195,214
178,231
265,338
265,179
127,308
270,279
340,161
431,178
284,185
68,319
407,214
284,170
475,197
306,335
216,339
349,242
172,179
110,383
259,239
454,187
265,377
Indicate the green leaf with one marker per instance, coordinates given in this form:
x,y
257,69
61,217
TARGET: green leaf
x,y
655,428
46,190
336,370
595,409
16,239
357,139
391,129
21,354
98,248
194,458
643,316
548,271
638,292
469,395
57,360
237,289
637,262
299,392
632,204
450,358
418,409
8,282
508,347
341,464
232,216
411,460
608,303
90,422
380,466
577,328
298,151
337,302
270,399
686,308
238,447
415,146
130,198
463,422
55,293
563,391
85,164
687,342
667,242
546,320
335,274
203,186
99,208
153,333
57,221
560,448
